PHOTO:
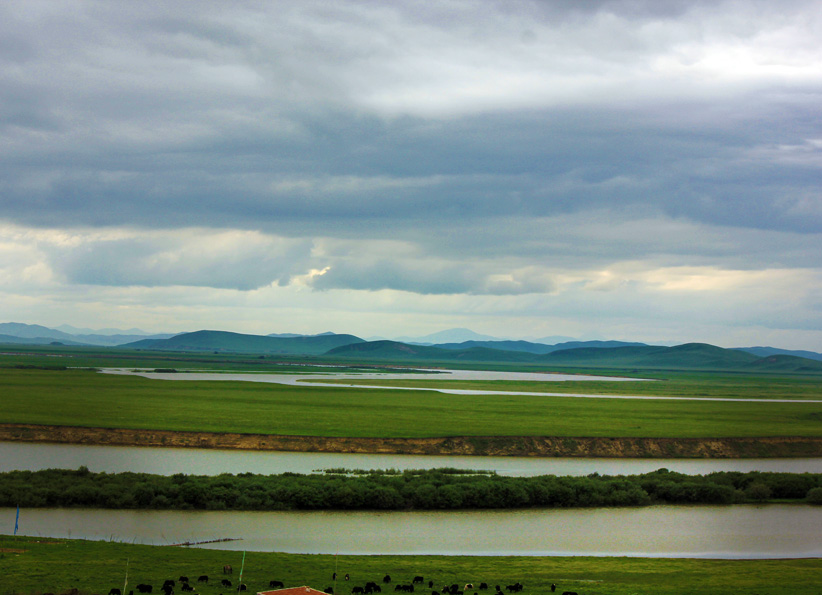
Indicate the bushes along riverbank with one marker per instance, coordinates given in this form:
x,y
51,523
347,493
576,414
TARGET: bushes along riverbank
x,y
440,489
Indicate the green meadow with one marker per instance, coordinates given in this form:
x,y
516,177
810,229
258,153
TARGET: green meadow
x,y
31,566
40,356
87,398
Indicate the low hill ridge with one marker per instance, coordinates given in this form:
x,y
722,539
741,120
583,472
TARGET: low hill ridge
x,y
224,341
689,356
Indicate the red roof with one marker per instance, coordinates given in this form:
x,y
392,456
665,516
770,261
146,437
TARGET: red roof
x,y
293,591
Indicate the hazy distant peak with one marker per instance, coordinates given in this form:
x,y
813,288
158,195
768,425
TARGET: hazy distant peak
x,y
73,330
293,335
552,340
454,335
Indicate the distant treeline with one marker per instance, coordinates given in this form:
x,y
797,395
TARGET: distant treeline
x,y
441,489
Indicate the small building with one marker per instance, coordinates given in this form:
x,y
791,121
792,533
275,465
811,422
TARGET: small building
x,y
293,591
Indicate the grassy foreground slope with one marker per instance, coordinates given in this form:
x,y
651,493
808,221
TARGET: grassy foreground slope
x,y
84,398
34,565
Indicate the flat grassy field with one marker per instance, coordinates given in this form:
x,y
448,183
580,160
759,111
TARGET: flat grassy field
x,y
113,357
32,566
85,398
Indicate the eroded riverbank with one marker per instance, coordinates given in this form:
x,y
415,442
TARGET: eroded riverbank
x,y
523,446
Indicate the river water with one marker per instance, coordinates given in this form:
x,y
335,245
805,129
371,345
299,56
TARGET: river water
x,y
420,374
316,380
192,461
771,531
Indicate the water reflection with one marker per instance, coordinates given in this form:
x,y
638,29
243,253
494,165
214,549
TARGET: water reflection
x,y
773,531
168,461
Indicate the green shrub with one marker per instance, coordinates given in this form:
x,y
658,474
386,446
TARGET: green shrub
x,y
814,496
758,491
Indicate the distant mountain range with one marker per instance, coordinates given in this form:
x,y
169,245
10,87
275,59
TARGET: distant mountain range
x,y
462,335
11,339
488,350
73,330
529,347
41,335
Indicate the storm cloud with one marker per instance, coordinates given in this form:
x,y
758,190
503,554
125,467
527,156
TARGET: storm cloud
x,y
514,159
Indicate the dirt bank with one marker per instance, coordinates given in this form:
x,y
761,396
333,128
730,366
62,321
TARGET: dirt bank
x,y
529,446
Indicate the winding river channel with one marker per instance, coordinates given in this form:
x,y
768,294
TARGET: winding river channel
x,y
769,531
316,380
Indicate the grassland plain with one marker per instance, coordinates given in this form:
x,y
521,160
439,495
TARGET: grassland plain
x,y
113,357
88,399
32,566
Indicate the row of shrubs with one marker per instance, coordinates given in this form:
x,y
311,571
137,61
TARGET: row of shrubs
x,y
407,490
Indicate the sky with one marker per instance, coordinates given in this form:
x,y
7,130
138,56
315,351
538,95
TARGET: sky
x,y
630,170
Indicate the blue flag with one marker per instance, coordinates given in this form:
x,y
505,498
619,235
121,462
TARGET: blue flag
x,y
17,519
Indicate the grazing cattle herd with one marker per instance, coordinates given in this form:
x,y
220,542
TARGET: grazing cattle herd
x,y
417,584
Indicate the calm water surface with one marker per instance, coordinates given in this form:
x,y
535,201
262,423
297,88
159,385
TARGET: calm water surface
x,y
421,375
168,461
772,531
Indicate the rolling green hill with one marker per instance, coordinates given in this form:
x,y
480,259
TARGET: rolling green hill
x,y
394,350
766,351
785,362
226,342
690,356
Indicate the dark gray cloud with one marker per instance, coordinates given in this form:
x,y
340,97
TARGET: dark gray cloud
x,y
471,148
247,117
463,170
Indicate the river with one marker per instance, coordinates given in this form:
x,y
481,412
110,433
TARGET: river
x,y
770,531
192,461
315,380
